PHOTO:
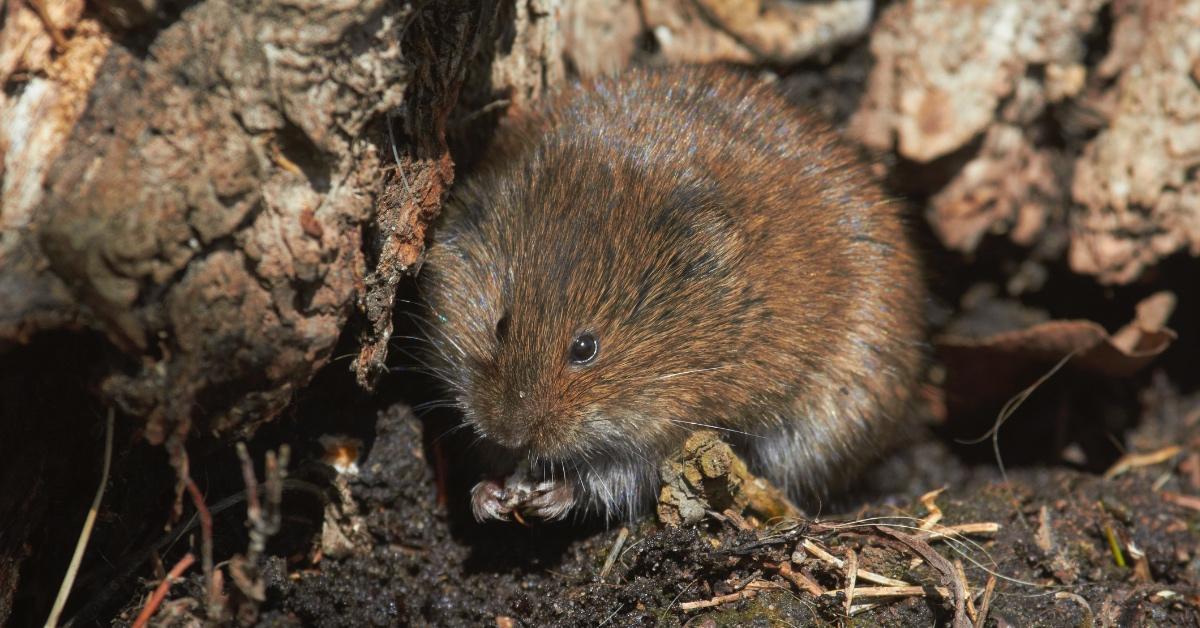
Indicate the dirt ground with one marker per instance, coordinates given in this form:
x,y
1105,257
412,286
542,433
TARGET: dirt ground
x,y
1048,557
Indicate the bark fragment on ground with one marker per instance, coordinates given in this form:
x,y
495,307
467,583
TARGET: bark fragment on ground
x,y
705,475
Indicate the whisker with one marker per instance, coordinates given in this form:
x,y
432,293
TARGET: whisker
x,y
416,303
435,403
395,338
703,370
429,329
715,427
441,374
454,429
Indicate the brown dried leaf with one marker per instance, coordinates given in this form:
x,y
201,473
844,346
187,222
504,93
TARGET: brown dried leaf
x,y
983,369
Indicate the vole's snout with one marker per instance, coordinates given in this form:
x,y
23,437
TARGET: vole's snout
x,y
521,423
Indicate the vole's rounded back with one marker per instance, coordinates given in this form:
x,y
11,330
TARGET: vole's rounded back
x,y
669,249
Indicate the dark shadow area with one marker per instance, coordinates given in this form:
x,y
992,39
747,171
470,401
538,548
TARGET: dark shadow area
x,y
51,452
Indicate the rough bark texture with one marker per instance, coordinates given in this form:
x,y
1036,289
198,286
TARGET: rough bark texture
x,y
215,199
930,100
214,216
987,92
213,223
771,31
1137,180
508,53
948,74
600,37
35,122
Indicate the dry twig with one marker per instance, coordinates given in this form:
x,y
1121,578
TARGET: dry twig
x,y
851,577
942,532
614,552
1185,501
820,553
802,581
929,500
750,590
64,590
949,576
160,592
206,548
962,577
1129,462
906,591
985,602
251,482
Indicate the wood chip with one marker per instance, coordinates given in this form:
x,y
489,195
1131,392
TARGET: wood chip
x,y
1134,461
750,590
906,591
929,501
851,577
820,553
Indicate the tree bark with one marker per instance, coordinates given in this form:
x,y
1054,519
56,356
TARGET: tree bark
x,y
208,196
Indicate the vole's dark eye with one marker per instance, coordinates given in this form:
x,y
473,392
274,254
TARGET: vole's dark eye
x,y
502,327
584,348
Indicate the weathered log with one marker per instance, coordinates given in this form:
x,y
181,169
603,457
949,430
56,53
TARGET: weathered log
x,y
209,196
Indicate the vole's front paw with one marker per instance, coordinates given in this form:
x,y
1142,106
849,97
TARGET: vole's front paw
x,y
521,497
490,500
549,500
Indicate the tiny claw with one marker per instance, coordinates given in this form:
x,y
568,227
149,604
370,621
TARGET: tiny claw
x,y
550,501
490,500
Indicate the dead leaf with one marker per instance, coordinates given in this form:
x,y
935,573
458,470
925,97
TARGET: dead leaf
x,y
980,370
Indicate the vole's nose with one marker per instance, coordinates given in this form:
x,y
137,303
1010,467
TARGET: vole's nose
x,y
511,424
524,423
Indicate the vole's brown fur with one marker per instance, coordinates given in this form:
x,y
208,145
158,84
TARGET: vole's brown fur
x,y
735,261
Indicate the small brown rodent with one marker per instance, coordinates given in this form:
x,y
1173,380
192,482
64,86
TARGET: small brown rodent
x,y
670,249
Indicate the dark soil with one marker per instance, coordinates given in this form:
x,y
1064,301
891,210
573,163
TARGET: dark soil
x,y
418,562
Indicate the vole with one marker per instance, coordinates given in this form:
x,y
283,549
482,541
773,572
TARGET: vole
x,y
646,255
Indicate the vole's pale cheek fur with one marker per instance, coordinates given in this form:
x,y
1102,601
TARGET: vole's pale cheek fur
x,y
617,489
